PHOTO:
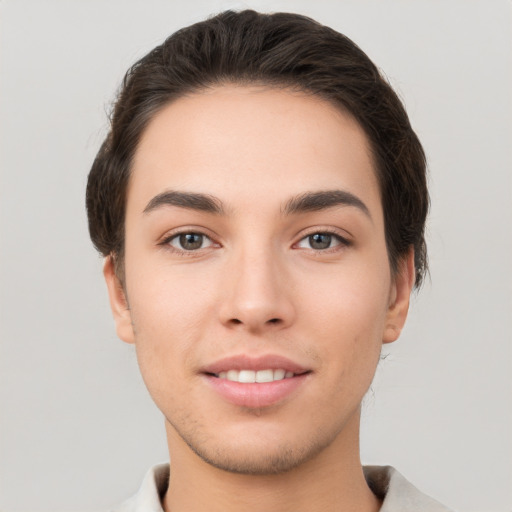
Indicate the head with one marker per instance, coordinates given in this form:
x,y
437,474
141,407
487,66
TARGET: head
x,y
260,200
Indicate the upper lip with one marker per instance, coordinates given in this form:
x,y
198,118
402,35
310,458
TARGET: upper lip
x,y
245,362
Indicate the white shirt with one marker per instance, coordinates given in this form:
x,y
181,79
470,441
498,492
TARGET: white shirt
x,y
386,482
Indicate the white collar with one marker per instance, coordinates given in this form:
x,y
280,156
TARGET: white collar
x,y
386,482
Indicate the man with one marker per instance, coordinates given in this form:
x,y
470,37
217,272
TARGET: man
x,y
260,202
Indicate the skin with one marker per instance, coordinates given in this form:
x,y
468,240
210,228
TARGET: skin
x,y
257,286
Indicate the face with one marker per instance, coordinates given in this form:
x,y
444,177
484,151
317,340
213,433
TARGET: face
x,y
258,290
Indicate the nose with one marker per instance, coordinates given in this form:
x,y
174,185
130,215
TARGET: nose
x,y
257,294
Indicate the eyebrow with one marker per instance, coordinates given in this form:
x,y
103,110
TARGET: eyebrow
x,y
303,203
189,200
316,201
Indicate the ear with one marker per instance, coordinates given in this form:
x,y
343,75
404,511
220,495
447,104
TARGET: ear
x,y
399,298
118,303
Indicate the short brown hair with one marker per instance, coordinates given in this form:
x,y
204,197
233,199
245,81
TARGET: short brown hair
x,y
279,50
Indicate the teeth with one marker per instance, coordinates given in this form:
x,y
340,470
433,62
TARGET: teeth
x,y
279,374
247,376
251,376
264,376
232,375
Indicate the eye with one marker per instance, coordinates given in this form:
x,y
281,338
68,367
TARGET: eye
x,y
321,241
189,241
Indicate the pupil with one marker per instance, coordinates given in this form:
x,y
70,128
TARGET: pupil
x,y
191,241
320,241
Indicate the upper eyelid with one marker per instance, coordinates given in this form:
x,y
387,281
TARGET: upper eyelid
x,y
173,233
344,238
339,233
343,241
172,236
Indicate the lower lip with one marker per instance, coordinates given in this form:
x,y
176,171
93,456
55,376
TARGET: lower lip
x,y
258,394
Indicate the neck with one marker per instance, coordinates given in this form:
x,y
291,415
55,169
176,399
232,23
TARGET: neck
x,y
331,481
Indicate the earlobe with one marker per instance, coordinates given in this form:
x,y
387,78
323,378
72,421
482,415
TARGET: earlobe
x,y
400,298
118,302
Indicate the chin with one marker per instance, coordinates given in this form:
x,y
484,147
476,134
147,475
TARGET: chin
x,y
254,457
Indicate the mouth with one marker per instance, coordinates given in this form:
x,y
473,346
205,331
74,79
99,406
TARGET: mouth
x,y
256,382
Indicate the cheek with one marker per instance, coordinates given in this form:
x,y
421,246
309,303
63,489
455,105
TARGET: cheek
x,y
166,296
170,313
347,315
349,301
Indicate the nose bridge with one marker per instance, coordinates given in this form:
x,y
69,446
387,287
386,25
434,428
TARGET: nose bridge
x,y
258,297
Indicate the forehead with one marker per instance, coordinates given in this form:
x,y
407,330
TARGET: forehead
x,y
240,143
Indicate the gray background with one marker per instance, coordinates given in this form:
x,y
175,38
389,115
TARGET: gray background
x,y
77,428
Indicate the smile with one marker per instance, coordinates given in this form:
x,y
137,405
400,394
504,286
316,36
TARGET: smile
x,y
256,382
251,376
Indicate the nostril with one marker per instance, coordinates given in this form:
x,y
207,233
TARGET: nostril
x,y
237,321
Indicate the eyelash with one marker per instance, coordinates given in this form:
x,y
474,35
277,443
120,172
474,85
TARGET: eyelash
x,y
185,252
342,242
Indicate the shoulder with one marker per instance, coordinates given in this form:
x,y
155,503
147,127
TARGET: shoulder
x,y
397,493
148,498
